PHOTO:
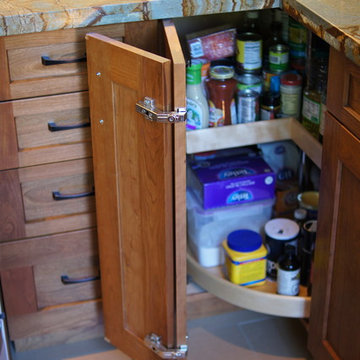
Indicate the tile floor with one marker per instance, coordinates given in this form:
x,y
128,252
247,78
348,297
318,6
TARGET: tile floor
x,y
239,335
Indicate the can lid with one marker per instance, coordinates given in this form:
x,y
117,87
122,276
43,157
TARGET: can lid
x,y
244,240
221,72
282,229
291,79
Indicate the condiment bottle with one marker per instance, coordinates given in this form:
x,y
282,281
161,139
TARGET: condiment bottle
x,y
221,88
313,97
270,101
196,103
288,274
291,91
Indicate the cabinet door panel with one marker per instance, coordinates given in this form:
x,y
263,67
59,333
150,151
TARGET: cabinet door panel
x,y
335,310
134,179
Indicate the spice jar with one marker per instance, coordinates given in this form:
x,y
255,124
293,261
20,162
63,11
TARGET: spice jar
x,y
221,90
291,93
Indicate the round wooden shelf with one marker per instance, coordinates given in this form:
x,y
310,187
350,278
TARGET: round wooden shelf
x,y
262,298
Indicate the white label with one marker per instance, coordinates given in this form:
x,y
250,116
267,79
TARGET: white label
x,y
252,55
288,282
196,49
311,110
194,115
216,116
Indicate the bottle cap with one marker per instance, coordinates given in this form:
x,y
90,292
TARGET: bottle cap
x,y
291,79
244,240
300,214
193,73
221,72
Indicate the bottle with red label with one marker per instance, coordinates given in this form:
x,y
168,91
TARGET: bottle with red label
x,y
221,87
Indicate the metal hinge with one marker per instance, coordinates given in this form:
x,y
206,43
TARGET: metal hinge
x,y
148,109
153,342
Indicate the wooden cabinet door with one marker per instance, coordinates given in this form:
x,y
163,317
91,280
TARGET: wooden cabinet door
x,y
140,193
335,307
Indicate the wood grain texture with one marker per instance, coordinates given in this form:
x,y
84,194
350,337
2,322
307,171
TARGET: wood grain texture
x,y
4,71
134,197
28,77
335,311
27,139
143,35
69,178
72,253
8,141
57,325
11,207
173,51
343,97
18,291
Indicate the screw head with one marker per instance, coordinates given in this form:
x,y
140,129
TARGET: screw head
x,y
101,121
98,73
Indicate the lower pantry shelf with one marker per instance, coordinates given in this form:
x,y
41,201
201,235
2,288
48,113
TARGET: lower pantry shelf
x,y
263,298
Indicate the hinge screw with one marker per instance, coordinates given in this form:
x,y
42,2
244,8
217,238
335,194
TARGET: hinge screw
x,y
101,121
98,74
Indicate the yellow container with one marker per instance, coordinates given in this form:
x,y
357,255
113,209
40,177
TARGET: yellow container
x,y
245,260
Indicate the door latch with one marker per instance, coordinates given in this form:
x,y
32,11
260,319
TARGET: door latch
x,y
149,110
153,342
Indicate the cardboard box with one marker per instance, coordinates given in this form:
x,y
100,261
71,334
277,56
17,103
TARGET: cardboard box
x,y
231,180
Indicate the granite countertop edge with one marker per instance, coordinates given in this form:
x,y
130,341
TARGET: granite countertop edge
x,y
320,16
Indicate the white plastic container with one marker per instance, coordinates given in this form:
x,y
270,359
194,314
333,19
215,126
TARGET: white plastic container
x,y
208,228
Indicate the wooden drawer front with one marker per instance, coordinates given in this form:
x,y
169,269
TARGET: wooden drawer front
x,y
67,280
31,271
39,185
46,130
57,325
24,73
27,206
343,99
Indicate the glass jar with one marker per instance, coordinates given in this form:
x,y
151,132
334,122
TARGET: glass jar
x,y
221,87
291,91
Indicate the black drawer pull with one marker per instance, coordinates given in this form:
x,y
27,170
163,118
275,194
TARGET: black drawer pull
x,y
66,280
58,196
54,127
47,61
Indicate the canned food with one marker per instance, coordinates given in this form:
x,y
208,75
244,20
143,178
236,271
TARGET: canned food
x,y
279,232
297,39
248,106
247,81
267,74
279,57
249,52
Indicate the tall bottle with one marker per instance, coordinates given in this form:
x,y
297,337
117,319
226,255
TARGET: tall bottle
x,y
314,99
288,274
196,103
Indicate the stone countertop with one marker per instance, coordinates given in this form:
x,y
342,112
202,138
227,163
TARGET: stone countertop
x,y
335,21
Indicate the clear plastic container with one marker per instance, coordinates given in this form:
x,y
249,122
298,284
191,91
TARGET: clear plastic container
x,y
208,228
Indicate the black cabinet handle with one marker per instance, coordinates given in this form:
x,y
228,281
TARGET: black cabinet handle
x,y
54,127
58,196
66,280
47,61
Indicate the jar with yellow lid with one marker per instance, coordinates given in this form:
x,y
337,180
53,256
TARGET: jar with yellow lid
x,y
245,258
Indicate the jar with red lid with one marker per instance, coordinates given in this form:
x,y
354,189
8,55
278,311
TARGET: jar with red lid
x,y
290,94
221,88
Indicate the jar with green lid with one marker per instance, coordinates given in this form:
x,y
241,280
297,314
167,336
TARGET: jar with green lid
x,y
221,87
